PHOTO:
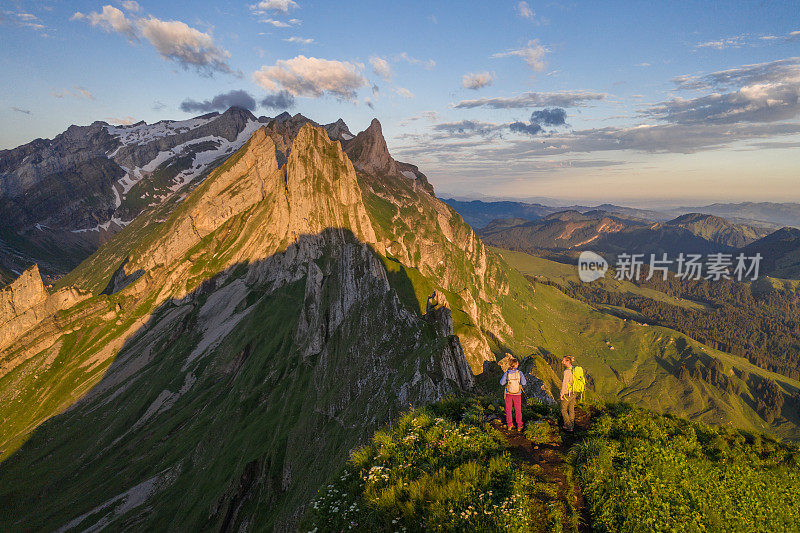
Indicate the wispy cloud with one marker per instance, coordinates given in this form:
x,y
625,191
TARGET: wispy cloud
x,y
381,67
533,54
428,64
131,5
405,93
123,121
173,40
280,23
528,100
763,92
299,40
311,76
524,11
21,110
476,80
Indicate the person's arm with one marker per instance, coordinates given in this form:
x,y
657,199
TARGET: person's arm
x,y
565,384
504,379
522,379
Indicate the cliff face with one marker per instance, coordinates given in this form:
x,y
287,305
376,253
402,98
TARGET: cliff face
x,y
256,329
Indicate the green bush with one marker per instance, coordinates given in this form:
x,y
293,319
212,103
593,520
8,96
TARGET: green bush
x,y
538,432
645,472
429,473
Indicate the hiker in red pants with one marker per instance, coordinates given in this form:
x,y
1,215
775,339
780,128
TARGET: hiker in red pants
x,y
513,379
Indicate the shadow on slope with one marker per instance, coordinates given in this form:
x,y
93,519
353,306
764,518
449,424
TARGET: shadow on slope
x,y
232,405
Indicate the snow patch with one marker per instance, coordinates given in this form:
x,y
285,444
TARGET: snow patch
x,y
410,175
105,226
346,136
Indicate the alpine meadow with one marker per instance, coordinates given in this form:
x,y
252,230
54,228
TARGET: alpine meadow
x,y
550,283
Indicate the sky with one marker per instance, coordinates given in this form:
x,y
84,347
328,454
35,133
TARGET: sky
x,y
643,103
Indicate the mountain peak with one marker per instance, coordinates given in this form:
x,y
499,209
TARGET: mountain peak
x,y
369,152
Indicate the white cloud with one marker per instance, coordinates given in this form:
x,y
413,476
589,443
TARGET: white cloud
x,y
526,100
381,67
533,54
274,5
299,40
176,41
525,11
405,93
131,5
311,76
280,23
429,64
476,80
172,39
722,44
110,19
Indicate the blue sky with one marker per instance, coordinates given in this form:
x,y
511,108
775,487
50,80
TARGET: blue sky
x,y
623,101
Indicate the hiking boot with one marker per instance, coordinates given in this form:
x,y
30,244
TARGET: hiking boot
x,y
510,428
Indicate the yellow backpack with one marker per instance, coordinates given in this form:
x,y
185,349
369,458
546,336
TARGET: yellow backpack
x,y
578,381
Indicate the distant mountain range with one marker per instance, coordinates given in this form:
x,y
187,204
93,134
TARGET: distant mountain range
x,y
61,198
563,233
478,213
606,232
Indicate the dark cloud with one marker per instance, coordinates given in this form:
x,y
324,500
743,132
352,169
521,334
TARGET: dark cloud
x,y
221,102
279,100
526,100
554,116
20,110
158,105
528,129
467,128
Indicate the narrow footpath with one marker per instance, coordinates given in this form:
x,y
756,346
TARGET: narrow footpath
x,y
545,463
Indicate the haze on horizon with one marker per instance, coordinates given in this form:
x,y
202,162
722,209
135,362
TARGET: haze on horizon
x,y
639,104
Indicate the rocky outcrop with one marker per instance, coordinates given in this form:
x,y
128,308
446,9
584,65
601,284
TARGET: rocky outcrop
x,y
369,153
26,302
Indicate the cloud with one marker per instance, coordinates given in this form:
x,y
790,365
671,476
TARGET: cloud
x,y
476,80
190,48
468,128
110,19
405,93
158,105
376,91
555,116
124,121
369,103
221,102
131,5
20,110
764,92
173,40
428,64
280,23
25,20
82,92
527,100
528,129
279,100
274,5
644,64
525,11
533,54
299,40
310,76
722,44
381,67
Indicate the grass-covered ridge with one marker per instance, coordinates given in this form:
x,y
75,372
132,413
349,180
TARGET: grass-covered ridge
x,y
646,472
445,467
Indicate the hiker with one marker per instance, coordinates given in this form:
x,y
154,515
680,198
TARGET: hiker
x,y
513,379
568,396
